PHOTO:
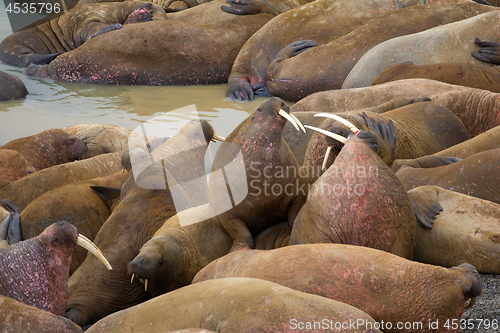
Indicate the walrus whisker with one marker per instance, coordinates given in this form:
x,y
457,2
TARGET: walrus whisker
x,y
298,122
347,123
87,244
328,151
217,137
327,133
132,279
287,116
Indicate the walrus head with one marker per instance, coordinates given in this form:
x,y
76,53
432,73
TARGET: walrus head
x,y
275,112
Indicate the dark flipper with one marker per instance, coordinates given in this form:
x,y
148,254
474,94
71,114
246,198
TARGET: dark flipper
x,y
249,7
294,48
261,90
430,161
483,2
489,51
425,205
37,70
108,194
387,137
10,206
141,14
14,235
240,91
110,27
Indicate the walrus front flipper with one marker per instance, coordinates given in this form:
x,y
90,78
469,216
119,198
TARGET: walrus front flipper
x,y
249,7
483,2
386,135
14,235
109,195
489,51
472,285
261,90
38,59
141,14
241,91
107,28
425,205
430,161
37,70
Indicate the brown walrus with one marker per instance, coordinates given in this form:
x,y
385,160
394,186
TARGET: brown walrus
x,y
11,87
48,148
358,201
13,166
456,228
293,76
387,287
35,271
238,305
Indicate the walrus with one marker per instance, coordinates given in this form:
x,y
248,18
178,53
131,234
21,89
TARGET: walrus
x,y
10,223
237,305
318,22
35,271
488,52
86,205
387,287
293,76
13,166
146,202
358,201
18,317
476,175
48,148
162,52
477,109
26,189
453,42
11,87
456,228
266,186
44,40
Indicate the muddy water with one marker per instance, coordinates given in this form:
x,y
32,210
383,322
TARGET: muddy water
x,y
56,104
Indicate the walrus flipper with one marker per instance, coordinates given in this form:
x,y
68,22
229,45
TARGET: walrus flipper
x,y
430,161
426,205
489,51
249,7
14,234
261,90
386,135
108,194
107,28
141,14
483,2
242,91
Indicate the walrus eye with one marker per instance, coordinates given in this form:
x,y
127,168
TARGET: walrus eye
x,y
160,261
259,109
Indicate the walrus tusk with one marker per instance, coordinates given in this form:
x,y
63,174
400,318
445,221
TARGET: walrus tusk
x,y
328,150
87,244
327,133
298,122
353,128
289,117
218,138
146,285
132,279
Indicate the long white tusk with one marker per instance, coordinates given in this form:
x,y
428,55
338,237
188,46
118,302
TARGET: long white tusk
x,y
87,244
219,138
349,125
132,279
298,122
327,133
287,116
328,150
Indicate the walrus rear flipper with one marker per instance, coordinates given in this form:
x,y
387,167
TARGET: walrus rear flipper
x,y
472,285
143,13
14,234
32,58
425,205
483,2
109,195
489,51
249,7
107,28
37,70
430,161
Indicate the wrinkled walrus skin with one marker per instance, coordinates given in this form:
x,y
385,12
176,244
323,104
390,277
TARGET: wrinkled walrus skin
x,y
476,175
479,110
358,201
326,66
235,305
453,42
466,230
11,87
387,287
468,75
17,317
43,40
13,166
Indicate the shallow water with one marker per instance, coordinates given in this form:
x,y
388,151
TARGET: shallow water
x,y
56,104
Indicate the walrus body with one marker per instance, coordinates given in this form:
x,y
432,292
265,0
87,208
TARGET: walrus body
x,y
466,230
11,87
453,42
236,305
48,148
476,175
389,288
479,110
44,40
326,66
469,75
358,201
26,189
13,166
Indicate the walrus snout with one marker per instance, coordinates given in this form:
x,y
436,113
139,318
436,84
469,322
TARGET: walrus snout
x,y
144,267
77,146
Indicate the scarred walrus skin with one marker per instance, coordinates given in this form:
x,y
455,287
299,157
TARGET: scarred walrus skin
x,y
326,66
456,228
358,201
387,287
77,204
479,110
16,317
13,166
36,271
146,203
308,25
161,52
44,40
240,305
476,175
453,42
11,87
48,148
266,186
26,189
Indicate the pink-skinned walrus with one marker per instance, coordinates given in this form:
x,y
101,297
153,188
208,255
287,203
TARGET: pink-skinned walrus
x,y
390,288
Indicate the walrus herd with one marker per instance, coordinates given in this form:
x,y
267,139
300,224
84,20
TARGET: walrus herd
x,y
372,204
